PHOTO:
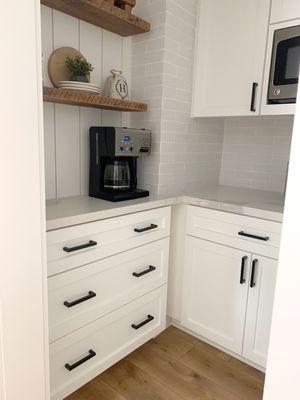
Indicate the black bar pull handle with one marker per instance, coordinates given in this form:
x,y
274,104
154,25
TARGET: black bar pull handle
x,y
242,276
147,271
253,96
253,273
80,362
81,300
148,228
250,235
91,243
149,319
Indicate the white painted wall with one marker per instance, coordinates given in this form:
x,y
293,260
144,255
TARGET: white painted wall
x,y
66,127
282,380
256,152
23,293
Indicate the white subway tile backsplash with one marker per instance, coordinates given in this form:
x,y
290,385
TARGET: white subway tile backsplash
x,y
67,150
256,152
190,150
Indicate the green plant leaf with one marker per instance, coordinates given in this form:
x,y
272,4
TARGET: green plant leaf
x,y
78,66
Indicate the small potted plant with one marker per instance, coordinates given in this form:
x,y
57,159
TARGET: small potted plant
x,y
79,68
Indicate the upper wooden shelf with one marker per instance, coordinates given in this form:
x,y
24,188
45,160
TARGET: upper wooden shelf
x,y
101,13
76,98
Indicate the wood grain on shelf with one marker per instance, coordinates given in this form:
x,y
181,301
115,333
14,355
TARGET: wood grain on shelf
x,y
101,13
76,98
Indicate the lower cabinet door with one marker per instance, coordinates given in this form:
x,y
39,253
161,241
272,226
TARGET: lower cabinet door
x,y
79,357
259,310
215,292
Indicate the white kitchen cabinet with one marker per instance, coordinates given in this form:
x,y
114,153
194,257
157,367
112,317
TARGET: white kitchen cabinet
x,y
107,286
284,10
79,245
80,296
222,299
259,309
215,292
229,57
224,287
79,357
250,234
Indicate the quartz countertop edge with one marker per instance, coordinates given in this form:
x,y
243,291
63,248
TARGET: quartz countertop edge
x,y
79,210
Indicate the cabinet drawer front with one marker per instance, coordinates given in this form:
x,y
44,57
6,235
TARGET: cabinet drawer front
x,y
109,338
72,247
79,297
246,233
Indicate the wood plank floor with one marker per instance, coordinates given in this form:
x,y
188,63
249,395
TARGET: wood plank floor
x,y
175,366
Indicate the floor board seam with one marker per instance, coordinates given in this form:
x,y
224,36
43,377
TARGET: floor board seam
x,y
157,380
170,366
100,378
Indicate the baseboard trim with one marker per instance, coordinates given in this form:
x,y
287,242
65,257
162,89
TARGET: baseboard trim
x,y
177,324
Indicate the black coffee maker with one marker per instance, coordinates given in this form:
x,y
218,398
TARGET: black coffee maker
x,y
113,162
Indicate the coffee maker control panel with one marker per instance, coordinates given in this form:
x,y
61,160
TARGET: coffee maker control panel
x,y
132,142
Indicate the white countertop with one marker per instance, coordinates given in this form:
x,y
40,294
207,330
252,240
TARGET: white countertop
x,y
82,209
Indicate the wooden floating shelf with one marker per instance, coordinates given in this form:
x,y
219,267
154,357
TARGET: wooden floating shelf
x,y
76,98
103,14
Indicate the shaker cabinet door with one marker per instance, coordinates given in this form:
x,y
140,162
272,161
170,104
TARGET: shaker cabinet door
x,y
215,292
284,10
229,57
259,309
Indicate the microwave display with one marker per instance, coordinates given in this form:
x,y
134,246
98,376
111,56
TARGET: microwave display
x,y
284,73
292,63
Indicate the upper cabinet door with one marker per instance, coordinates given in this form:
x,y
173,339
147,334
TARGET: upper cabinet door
x,y
284,10
259,309
215,291
229,57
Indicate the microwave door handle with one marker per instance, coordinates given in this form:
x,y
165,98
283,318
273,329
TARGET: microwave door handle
x,y
253,97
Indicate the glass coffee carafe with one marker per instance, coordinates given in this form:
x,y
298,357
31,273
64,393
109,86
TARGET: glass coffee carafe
x,y
116,175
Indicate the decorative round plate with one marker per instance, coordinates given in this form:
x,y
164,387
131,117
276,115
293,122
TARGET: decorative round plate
x,y
57,68
81,90
75,83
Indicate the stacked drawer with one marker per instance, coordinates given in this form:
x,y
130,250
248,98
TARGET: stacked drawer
x,y
107,293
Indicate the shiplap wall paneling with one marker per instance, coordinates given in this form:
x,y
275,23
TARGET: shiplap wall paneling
x,y
112,55
88,117
66,33
49,112
66,127
127,72
50,151
47,40
90,44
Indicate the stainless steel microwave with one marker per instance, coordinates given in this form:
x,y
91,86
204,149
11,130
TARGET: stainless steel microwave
x,y
284,73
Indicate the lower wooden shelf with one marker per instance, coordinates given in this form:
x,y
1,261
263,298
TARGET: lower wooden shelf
x,y
75,98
